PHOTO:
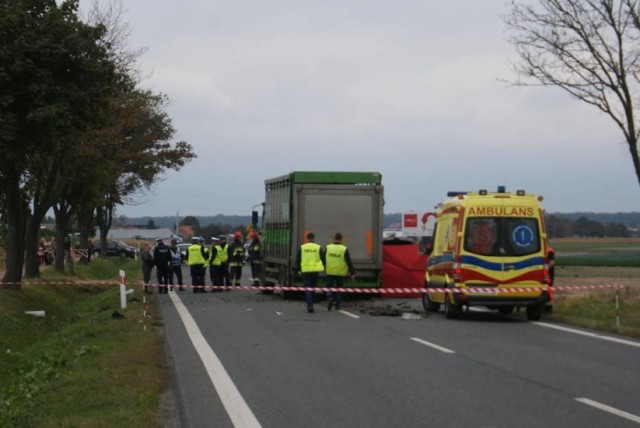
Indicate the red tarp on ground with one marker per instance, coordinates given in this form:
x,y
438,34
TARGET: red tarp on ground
x,y
403,267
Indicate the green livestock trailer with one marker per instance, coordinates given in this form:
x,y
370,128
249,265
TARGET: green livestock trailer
x,y
323,203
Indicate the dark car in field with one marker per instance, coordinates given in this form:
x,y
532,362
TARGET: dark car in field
x,y
116,249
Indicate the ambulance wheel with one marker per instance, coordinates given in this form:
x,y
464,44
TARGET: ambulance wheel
x,y
427,303
534,312
451,310
506,310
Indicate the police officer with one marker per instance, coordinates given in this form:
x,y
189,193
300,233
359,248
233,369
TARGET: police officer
x,y
309,262
162,259
214,270
224,260
196,257
176,265
338,265
236,259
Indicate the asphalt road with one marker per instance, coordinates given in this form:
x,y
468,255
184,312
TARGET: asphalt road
x,y
350,369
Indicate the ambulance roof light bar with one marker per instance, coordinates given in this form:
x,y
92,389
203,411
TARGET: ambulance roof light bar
x,y
454,193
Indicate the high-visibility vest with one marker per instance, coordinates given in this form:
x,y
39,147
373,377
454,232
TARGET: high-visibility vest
x,y
224,253
310,258
336,264
217,260
195,255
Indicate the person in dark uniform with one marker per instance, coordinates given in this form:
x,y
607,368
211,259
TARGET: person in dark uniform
x,y
255,258
146,258
236,259
162,259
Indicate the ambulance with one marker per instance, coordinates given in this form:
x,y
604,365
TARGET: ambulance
x,y
488,250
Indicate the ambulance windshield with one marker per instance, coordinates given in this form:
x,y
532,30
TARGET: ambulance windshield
x,y
502,236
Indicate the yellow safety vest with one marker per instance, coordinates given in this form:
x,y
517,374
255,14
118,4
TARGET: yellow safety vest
x,y
195,255
217,261
336,264
310,258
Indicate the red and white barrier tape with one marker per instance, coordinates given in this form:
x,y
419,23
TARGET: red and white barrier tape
x,y
470,290
398,290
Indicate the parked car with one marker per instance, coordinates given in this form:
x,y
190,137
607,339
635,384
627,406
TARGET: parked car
x,y
116,249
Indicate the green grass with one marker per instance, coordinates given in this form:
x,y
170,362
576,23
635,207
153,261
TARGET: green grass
x,y
591,252
78,366
598,311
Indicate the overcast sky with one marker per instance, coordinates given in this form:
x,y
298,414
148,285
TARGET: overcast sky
x,y
410,89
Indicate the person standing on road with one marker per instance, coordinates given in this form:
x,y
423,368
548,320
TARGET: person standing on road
x,y
162,258
214,270
176,265
147,262
236,259
338,266
255,258
309,262
196,258
224,261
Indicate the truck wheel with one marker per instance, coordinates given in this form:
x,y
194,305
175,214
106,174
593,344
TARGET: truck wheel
x,y
506,310
534,312
451,310
427,303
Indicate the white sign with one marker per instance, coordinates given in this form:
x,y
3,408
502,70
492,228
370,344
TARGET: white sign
x,y
418,224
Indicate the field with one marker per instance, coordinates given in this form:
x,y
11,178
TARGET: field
x,y
598,262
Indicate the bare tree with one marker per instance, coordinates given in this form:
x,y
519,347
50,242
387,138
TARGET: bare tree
x,y
589,48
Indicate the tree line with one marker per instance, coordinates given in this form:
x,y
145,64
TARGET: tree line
x,y
78,133
563,227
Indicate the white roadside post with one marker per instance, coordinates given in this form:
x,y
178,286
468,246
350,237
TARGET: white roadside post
x,y
123,291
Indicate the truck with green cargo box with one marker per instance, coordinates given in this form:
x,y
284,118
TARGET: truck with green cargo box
x,y
323,203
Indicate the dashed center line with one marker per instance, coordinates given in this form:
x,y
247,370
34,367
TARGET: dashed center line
x,y
433,345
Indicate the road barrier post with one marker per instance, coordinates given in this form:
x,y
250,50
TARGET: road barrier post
x,y
123,291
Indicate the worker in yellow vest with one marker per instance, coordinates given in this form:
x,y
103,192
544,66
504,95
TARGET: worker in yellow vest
x,y
338,267
196,258
309,262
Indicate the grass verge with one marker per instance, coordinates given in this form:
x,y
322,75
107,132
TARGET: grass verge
x,y
598,311
79,366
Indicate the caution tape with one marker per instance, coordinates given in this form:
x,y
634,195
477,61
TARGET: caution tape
x,y
398,290
470,290
79,282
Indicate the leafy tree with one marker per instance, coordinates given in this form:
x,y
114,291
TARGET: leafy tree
x,y
139,150
151,224
55,74
588,48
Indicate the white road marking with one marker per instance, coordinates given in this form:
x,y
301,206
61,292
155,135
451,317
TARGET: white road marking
x,y
610,409
433,345
349,314
238,410
586,333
